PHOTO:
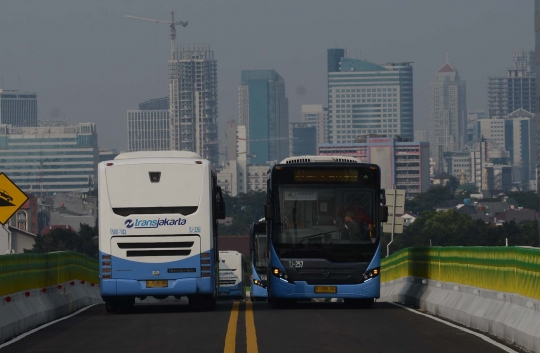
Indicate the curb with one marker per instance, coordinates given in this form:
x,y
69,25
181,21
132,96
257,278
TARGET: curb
x,y
22,311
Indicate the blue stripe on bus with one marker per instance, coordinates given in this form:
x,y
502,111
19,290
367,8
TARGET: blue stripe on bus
x,y
235,290
179,283
128,269
131,287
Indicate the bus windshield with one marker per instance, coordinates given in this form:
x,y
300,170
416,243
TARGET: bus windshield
x,y
260,251
333,222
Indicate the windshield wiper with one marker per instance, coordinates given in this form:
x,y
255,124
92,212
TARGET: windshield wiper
x,y
317,235
312,236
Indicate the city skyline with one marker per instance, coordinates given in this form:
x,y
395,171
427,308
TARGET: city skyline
x,y
97,85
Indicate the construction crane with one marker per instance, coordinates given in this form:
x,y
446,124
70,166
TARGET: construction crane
x,y
172,24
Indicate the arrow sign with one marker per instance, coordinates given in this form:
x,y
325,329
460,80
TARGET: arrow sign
x,y
11,198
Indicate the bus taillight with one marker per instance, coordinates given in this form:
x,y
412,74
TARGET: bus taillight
x,y
205,264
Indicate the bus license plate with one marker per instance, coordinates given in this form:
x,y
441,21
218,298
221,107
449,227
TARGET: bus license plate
x,y
325,289
156,284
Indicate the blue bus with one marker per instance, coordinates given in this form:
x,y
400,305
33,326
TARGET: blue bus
x,y
231,275
158,216
259,267
324,215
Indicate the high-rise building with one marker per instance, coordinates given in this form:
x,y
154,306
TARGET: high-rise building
x,y
46,160
516,134
155,104
515,91
18,108
537,87
404,164
303,140
148,130
264,111
447,114
366,98
148,127
230,132
334,57
420,135
194,102
316,115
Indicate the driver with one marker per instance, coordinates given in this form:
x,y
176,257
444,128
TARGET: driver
x,y
350,229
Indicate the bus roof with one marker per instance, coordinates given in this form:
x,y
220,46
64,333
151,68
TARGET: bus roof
x,y
319,159
158,154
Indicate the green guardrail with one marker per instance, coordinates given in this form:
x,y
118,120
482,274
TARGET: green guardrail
x,y
19,272
505,269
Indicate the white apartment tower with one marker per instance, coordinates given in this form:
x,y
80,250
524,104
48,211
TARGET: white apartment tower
x,y
193,106
316,115
447,114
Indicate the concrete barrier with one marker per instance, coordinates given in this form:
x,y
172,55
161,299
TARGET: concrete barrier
x,y
512,317
23,311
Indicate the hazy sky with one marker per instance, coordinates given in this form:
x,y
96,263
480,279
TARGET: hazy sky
x,y
87,62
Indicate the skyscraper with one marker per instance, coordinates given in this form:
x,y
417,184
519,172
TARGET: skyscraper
x,y
50,159
303,140
537,84
366,98
334,59
447,114
148,127
193,102
18,108
515,91
316,115
264,111
515,133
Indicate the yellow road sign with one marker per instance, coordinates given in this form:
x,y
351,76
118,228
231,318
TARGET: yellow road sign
x,y
11,198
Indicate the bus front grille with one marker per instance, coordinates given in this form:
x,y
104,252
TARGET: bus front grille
x,y
322,273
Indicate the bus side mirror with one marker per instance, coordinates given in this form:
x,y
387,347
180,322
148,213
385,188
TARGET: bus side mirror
x,y
268,212
220,205
383,212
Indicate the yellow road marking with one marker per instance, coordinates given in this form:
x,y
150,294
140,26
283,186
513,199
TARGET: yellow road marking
x,y
251,335
230,338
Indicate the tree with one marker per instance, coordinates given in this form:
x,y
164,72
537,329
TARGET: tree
x,y
244,209
63,239
527,199
425,201
452,228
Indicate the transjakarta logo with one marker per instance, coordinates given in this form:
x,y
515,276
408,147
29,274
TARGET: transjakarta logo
x,y
154,223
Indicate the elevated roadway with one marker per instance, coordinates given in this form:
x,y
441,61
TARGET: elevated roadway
x,y
252,327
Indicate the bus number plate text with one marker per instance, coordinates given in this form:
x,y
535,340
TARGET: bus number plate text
x,y
157,284
325,289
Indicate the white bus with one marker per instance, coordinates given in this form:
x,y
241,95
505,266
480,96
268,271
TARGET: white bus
x,y
231,275
158,216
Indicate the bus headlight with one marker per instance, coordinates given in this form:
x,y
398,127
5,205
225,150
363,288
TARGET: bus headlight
x,y
370,274
280,274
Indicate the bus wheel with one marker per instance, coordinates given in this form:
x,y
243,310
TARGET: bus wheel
x,y
111,305
126,304
359,303
209,302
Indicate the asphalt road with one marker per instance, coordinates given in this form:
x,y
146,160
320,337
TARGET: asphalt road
x,y
251,327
